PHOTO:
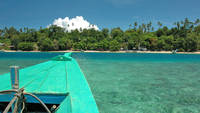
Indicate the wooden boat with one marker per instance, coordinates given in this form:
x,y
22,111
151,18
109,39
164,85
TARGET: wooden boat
x,y
55,86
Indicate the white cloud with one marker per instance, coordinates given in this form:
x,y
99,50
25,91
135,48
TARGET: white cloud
x,y
74,23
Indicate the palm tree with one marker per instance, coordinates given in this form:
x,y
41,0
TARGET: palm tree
x,y
149,26
197,21
177,25
144,28
152,29
159,24
135,25
1,32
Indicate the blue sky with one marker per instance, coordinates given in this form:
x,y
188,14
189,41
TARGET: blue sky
x,y
103,13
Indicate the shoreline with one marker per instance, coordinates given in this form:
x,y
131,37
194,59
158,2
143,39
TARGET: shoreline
x,y
92,51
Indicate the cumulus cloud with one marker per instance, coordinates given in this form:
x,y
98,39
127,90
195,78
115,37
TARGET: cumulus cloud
x,y
74,23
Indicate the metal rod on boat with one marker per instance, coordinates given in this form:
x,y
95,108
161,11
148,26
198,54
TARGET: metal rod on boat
x,y
53,108
14,75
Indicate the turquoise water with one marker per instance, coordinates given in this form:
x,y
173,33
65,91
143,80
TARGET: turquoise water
x,y
143,83
22,59
132,82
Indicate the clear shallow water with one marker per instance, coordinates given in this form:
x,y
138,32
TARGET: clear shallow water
x,y
143,83
132,83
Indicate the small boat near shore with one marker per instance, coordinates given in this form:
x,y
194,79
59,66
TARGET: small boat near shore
x,y
55,86
174,51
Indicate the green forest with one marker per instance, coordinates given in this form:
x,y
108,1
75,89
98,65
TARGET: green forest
x,y
184,36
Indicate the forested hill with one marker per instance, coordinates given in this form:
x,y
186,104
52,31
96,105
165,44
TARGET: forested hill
x,y
185,36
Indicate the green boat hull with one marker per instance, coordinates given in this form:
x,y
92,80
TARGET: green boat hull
x,y
60,76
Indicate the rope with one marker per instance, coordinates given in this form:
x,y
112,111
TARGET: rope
x,y
8,91
23,107
20,93
9,105
16,106
16,99
47,109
